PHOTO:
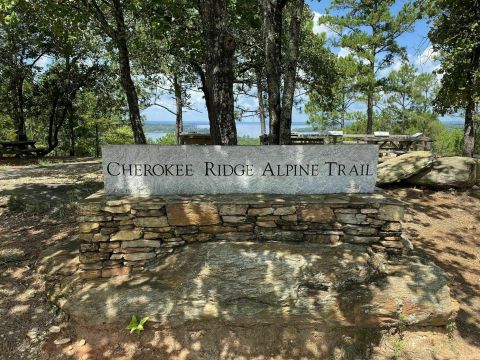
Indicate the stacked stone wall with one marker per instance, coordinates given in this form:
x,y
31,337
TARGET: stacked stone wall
x,y
124,234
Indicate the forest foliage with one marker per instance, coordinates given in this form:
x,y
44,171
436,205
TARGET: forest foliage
x,y
77,74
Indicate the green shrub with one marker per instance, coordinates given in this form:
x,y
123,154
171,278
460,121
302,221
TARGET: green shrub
x,y
168,139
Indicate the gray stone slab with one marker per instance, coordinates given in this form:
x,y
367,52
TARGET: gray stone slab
x,y
186,170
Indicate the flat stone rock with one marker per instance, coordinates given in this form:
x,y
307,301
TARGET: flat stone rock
x,y
403,166
252,284
455,171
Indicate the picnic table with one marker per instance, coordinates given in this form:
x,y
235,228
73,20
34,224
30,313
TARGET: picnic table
x,y
19,148
195,139
389,143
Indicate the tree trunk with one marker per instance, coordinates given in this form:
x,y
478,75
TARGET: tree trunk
x,y
291,58
370,113
371,90
220,48
71,131
179,107
126,75
97,140
272,33
469,131
18,108
261,107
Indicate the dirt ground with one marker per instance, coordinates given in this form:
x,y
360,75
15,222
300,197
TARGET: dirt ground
x,y
36,206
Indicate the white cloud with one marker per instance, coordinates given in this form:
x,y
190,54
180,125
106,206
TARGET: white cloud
x,y
426,61
394,67
320,28
344,52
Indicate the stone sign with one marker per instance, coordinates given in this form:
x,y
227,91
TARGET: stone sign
x,y
294,169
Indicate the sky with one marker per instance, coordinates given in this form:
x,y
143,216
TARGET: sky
x,y
418,48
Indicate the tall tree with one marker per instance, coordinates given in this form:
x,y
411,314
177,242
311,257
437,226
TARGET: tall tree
x,y
23,43
276,14
369,31
219,59
110,18
455,35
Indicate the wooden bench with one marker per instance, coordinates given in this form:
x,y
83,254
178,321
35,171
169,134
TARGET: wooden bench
x,y
20,148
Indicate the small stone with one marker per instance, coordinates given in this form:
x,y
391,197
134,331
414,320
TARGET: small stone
x,y
289,218
268,218
392,226
139,256
289,210
152,235
81,343
369,211
359,230
260,211
94,218
91,257
54,329
245,228
127,235
346,211
197,237
181,230
32,334
151,221
233,209
140,243
110,245
266,224
121,209
234,219
88,227
90,274
391,213
88,247
62,341
392,244
100,237
348,218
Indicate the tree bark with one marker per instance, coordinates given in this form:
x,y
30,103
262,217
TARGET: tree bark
x,y
19,108
179,107
71,133
272,33
220,49
289,82
97,140
261,106
128,85
469,131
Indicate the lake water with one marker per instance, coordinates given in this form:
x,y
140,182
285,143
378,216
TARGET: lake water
x,y
244,128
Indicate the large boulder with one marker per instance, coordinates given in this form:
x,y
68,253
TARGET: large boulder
x,y
456,171
403,166
271,284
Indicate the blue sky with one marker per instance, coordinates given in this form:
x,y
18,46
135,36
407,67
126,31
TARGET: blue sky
x,y
418,49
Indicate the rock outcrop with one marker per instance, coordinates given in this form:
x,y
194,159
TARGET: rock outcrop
x,y
404,166
456,171
254,284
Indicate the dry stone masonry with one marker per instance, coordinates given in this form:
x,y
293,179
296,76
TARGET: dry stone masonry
x,y
127,234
